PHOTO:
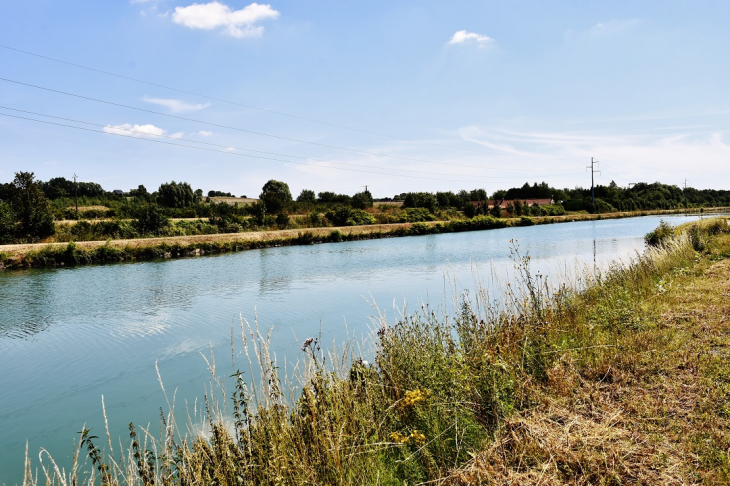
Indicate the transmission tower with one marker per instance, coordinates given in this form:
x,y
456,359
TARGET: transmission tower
x,y
593,171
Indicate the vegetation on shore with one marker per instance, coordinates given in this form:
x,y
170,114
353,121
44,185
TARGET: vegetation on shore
x,y
34,211
621,378
88,252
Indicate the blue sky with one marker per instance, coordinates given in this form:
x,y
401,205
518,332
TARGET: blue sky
x,y
443,95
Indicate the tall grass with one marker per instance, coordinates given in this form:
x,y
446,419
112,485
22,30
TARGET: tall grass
x,y
441,389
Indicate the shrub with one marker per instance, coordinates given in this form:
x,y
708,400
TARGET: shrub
x,y
344,216
660,235
415,215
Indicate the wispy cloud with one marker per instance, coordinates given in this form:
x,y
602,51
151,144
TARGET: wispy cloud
x,y
612,26
235,23
464,37
205,133
176,106
136,131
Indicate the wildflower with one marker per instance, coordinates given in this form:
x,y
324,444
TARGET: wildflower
x,y
414,397
417,438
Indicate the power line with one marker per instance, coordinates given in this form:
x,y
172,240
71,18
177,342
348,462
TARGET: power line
x,y
225,152
312,120
111,103
229,147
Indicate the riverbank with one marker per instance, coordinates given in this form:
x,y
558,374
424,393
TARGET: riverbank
x,y
86,252
623,380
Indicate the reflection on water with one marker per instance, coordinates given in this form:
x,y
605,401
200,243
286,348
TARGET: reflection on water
x,y
69,336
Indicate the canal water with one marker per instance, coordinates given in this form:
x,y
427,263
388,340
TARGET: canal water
x,y
69,336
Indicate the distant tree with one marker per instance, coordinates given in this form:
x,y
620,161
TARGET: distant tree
x,y
518,207
217,193
496,209
140,193
307,196
421,200
31,208
276,196
478,195
499,195
199,194
469,210
176,195
150,220
7,223
362,200
332,198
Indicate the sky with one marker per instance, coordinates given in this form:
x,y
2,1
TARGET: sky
x,y
394,95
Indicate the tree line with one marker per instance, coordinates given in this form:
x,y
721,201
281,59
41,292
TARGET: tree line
x,y
28,207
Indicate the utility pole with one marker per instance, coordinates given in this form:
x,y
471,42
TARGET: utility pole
x,y
76,195
593,171
685,192
366,188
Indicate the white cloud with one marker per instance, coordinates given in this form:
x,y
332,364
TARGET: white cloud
x,y
205,133
463,37
130,130
176,106
177,135
236,23
613,25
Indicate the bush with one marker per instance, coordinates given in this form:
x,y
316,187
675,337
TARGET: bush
x,y
150,220
660,235
552,210
415,215
345,216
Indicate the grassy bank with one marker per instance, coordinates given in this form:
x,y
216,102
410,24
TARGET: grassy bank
x,y
75,253
623,379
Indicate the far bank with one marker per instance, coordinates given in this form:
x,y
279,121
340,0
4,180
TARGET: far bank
x,y
89,252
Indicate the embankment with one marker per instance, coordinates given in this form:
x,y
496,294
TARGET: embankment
x,y
86,252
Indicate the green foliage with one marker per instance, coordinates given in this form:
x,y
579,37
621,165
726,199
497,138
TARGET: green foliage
x,y
552,209
219,194
344,216
415,215
60,187
526,221
282,220
660,235
332,198
31,209
421,200
151,220
176,195
275,196
362,200
7,223
307,196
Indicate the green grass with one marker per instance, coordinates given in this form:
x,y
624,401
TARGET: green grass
x,y
538,385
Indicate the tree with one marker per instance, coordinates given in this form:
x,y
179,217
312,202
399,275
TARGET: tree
x,y
518,208
496,209
362,200
150,220
31,208
421,200
276,196
7,223
176,195
307,196
140,193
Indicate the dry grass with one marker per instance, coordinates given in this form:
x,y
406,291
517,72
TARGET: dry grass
x,y
653,412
